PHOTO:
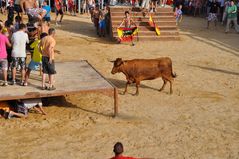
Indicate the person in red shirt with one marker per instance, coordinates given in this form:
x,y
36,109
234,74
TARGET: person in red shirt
x,y
59,5
118,150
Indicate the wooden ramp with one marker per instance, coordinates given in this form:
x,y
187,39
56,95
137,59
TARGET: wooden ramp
x,y
71,78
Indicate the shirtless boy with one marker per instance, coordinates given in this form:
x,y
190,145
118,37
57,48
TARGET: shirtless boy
x,y
47,46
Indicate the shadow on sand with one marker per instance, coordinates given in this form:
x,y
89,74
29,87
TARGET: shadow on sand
x,y
86,29
217,39
216,70
121,84
61,101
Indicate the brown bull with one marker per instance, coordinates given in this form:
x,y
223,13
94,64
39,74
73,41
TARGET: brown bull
x,y
145,69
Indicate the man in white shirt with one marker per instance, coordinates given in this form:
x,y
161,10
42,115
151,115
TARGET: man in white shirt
x,y
19,40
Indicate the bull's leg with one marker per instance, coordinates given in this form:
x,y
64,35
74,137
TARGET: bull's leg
x,y
126,87
137,88
164,84
171,86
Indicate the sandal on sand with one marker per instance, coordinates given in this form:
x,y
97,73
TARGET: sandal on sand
x,y
24,84
44,88
51,88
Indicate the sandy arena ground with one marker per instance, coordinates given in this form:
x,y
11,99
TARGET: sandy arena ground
x,y
199,121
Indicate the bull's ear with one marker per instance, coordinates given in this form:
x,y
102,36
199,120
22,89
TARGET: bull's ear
x,y
119,59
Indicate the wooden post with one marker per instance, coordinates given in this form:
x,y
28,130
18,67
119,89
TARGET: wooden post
x,y
116,102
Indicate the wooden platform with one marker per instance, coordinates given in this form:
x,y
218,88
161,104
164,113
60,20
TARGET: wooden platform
x,y
71,78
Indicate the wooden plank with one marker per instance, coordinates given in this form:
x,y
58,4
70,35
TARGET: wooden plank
x,y
71,78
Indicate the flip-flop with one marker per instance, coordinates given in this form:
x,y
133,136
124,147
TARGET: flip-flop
x,y
52,88
44,88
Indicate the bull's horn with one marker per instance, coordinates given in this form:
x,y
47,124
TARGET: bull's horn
x,y
111,60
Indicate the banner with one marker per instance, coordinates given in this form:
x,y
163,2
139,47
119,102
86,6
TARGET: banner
x,y
127,34
153,25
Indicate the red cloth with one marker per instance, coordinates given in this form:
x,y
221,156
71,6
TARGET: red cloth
x,y
58,4
122,157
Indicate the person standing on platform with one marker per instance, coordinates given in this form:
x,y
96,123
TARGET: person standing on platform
x,y
3,56
47,46
19,40
36,61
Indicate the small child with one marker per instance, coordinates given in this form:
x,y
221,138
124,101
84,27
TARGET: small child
x,y
178,14
36,60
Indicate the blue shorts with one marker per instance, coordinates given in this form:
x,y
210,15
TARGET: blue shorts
x,y
47,19
34,65
102,24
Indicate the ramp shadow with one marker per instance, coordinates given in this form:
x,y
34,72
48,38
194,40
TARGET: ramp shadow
x,y
61,101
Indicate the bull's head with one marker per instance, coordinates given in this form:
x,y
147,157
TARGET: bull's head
x,y
117,64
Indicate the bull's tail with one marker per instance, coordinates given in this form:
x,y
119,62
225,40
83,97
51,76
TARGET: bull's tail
x,y
174,75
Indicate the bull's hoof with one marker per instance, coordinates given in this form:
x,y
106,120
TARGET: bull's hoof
x,y
160,90
123,93
136,94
